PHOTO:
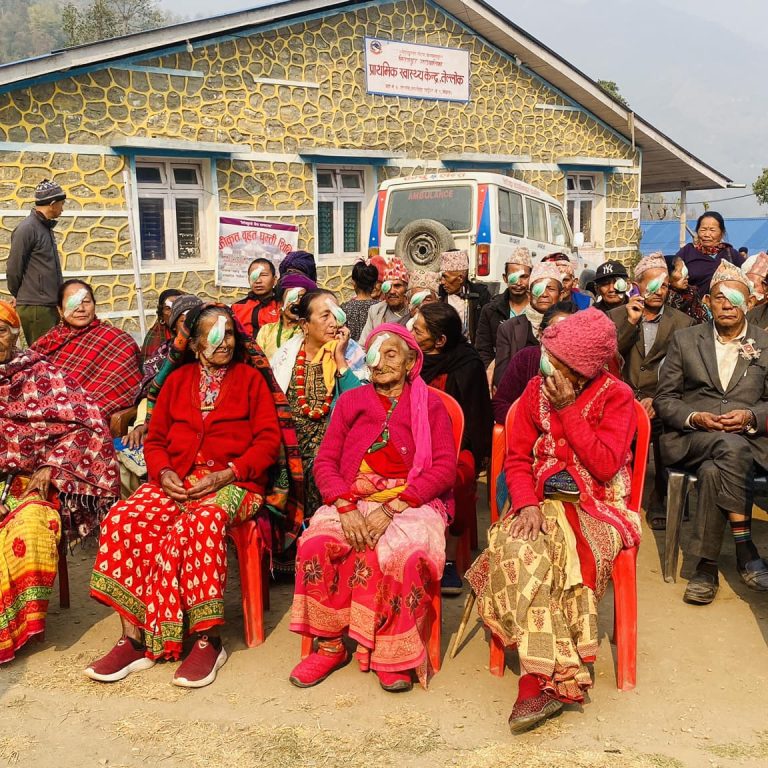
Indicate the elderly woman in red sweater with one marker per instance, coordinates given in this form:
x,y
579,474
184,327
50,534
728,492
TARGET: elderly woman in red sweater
x,y
368,560
549,559
162,558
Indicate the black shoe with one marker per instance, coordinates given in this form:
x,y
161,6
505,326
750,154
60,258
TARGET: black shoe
x,y
755,575
451,583
701,589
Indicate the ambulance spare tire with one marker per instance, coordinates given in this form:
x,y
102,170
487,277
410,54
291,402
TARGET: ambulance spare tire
x,y
421,242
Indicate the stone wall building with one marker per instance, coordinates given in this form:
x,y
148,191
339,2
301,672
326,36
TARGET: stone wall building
x,y
268,114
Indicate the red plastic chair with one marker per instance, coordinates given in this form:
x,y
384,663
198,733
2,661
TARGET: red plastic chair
x,y
435,616
254,579
624,568
498,451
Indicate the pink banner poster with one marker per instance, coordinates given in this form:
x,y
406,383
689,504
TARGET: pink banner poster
x,y
243,240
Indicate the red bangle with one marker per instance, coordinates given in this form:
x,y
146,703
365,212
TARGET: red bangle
x,y
342,510
234,470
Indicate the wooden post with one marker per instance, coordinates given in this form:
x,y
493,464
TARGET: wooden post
x,y
683,205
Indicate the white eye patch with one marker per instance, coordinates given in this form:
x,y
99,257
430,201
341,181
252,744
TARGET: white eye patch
x,y
216,334
418,298
734,297
373,357
339,314
256,274
538,289
74,301
654,285
386,287
291,297
621,285
513,278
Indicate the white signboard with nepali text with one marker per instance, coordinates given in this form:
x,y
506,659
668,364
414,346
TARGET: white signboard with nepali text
x,y
394,68
243,240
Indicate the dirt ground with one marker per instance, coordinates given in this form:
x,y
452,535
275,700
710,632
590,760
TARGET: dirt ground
x,y
699,701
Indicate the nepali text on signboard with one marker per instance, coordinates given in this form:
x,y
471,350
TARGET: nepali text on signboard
x,y
243,240
393,68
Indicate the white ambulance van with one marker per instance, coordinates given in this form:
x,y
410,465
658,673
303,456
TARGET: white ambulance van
x,y
488,214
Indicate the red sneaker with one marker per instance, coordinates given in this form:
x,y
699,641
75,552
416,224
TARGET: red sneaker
x,y
395,682
201,665
316,667
119,663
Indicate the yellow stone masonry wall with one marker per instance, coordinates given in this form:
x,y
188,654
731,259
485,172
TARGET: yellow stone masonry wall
x,y
229,105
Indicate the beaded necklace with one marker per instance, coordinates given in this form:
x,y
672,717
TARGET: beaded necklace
x,y
316,413
384,436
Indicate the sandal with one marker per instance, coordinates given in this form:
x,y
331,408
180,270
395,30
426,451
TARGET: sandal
x,y
657,520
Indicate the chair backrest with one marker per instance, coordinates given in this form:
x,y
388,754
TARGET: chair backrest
x,y
456,415
498,450
639,459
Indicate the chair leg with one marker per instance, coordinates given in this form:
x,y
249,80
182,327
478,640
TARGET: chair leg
x,y
677,492
250,557
307,643
463,551
63,571
434,629
625,618
497,661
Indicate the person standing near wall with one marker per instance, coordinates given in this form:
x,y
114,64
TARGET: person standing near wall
x,y
34,270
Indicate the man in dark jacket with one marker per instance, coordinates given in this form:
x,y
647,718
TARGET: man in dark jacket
x,y
507,304
644,327
611,284
34,271
465,297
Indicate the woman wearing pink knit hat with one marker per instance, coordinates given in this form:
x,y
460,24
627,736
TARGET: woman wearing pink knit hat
x,y
550,557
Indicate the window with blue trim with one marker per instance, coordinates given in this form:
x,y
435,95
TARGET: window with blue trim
x,y
340,202
171,212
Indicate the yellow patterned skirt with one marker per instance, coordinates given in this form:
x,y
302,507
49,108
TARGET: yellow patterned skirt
x,y
542,595
29,537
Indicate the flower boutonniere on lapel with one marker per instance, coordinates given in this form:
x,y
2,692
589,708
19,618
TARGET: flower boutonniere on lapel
x,y
748,351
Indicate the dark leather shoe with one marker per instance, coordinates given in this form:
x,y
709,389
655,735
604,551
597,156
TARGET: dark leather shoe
x,y
755,575
701,589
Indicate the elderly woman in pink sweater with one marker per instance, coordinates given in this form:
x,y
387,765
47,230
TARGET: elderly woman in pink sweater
x,y
365,565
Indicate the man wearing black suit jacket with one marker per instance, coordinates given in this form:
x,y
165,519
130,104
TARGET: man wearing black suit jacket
x,y
713,400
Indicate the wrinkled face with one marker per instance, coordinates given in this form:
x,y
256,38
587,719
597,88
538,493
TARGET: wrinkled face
x,y
77,308
53,210
424,338
709,232
321,326
397,294
656,299
519,287
569,373
422,297
606,290
566,270
549,295
8,338
395,361
215,347
679,277
726,314
264,282
453,280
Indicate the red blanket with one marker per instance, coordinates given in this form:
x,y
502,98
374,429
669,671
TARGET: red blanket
x,y
102,359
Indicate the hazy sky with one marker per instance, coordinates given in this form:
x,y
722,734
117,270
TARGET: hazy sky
x,y
695,69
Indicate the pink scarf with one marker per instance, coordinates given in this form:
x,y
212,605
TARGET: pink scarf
x,y
422,436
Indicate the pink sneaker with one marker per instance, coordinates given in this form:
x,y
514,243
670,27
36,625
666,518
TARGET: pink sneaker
x,y
119,663
316,667
395,682
201,665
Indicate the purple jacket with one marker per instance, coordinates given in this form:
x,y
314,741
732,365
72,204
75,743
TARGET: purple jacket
x,y
356,423
521,369
701,267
